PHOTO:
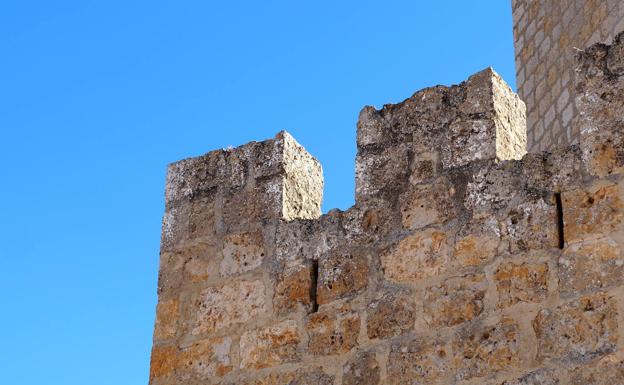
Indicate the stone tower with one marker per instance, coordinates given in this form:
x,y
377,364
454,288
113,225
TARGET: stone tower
x,y
547,36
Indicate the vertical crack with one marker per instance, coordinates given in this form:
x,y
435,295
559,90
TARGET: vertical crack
x,y
560,229
313,282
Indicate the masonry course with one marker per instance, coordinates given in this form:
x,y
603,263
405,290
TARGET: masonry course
x,y
464,260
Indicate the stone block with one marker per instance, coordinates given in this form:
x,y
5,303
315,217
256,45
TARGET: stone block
x,y
363,369
332,331
342,273
230,304
579,330
477,242
242,252
590,266
456,300
423,254
421,359
606,371
307,376
591,213
531,225
185,266
480,350
270,346
521,282
390,315
205,359
167,316
427,204
293,286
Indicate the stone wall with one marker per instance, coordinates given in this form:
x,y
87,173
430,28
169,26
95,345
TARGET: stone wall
x,y
547,35
463,260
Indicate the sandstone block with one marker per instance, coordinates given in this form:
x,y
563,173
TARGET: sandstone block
x,y
480,350
391,315
590,266
532,225
205,359
293,287
427,204
606,371
524,282
332,331
477,242
184,266
341,274
271,346
591,213
163,362
420,255
241,252
311,376
456,300
580,329
233,303
424,360
363,369
167,315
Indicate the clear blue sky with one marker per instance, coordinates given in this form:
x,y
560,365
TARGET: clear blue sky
x,y
96,97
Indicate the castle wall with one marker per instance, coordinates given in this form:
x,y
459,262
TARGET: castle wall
x,y
547,35
463,261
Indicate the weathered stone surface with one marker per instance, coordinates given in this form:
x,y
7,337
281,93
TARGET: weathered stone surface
x,y
532,225
185,266
479,350
537,377
341,274
312,376
418,361
293,286
589,266
477,242
390,315
274,345
233,303
163,361
363,369
580,329
591,213
423,254
206,358
599,86
427,204
456,300
167,316
242,252
606,371
523,282
333,331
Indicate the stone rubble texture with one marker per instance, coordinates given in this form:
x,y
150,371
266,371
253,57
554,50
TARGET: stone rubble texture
x,y
449,269
547,36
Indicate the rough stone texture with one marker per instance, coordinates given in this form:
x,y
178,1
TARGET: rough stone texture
x,y
333,331
362,370
526,282
578,330
547,36
270,346
462,262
